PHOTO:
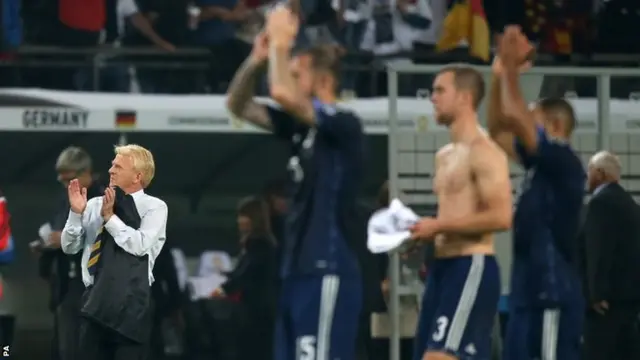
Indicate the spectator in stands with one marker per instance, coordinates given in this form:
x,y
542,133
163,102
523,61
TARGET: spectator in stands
x,y
610,256
255,278
10,39
61,270
216,29
392,30
352,26
81,22
160,23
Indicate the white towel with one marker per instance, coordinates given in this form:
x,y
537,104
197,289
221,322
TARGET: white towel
x,y
388,228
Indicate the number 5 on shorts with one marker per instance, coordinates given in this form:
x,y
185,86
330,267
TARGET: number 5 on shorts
x,y
441,328
306,348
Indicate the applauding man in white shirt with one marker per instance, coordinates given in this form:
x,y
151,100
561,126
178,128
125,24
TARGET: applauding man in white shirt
x,y
132,170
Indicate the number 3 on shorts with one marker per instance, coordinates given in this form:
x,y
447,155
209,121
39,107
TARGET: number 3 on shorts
x,y
441,328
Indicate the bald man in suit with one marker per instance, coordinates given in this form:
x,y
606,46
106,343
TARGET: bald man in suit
x,y
610,264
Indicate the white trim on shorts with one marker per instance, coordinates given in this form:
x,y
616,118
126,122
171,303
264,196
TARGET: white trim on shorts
x,y
466,303
328,298
550,326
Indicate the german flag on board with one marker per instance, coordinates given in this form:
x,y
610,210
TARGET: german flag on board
x,y
466,21
125,119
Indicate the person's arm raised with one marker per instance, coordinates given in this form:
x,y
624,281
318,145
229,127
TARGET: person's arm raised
x,y
72,237
282,27
496,120
514,107
240,96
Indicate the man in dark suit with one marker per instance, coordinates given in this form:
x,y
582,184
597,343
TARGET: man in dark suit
x,y
610,256
62,271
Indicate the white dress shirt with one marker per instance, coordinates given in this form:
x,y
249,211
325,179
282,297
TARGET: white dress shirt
x,y
81,230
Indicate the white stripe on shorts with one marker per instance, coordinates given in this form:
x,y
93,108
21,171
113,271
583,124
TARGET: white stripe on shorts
x,y
550,325
466,303
328,298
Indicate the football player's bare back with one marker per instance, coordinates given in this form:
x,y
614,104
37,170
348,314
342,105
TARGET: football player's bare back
x,y
471,179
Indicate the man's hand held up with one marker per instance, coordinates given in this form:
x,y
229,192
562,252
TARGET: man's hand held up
x,y
108,200
77,196
282,27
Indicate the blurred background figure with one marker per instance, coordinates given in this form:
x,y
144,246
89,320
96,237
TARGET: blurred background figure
x,y
610,242
217,22
254,280
168,319
275,194
60,270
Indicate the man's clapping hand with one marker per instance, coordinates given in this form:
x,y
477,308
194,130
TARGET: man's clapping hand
x,y
282,26
77,196
514,49
108,200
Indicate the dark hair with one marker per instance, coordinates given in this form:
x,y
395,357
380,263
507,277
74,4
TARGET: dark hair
x,y
559,109
383,195
256,209
467,78
326,58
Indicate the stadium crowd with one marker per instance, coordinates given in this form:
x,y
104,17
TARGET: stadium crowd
x,y
219,33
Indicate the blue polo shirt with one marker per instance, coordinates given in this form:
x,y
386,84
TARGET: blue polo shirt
x,y
545,225
326,167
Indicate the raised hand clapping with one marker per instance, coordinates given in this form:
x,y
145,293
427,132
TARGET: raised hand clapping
x,y
77,196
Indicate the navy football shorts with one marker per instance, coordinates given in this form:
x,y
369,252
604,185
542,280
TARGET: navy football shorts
x,y
459,307
318,318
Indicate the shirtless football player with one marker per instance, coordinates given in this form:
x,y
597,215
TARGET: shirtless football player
x,y
474,201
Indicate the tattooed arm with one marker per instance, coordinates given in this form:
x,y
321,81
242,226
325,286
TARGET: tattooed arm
x,y
240,95
241,92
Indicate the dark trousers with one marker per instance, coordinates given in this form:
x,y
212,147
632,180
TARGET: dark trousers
x,y
258,326
67,322
100,343
156,343
614,335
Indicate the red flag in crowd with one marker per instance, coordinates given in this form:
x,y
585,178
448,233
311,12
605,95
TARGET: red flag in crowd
x,y
466,21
